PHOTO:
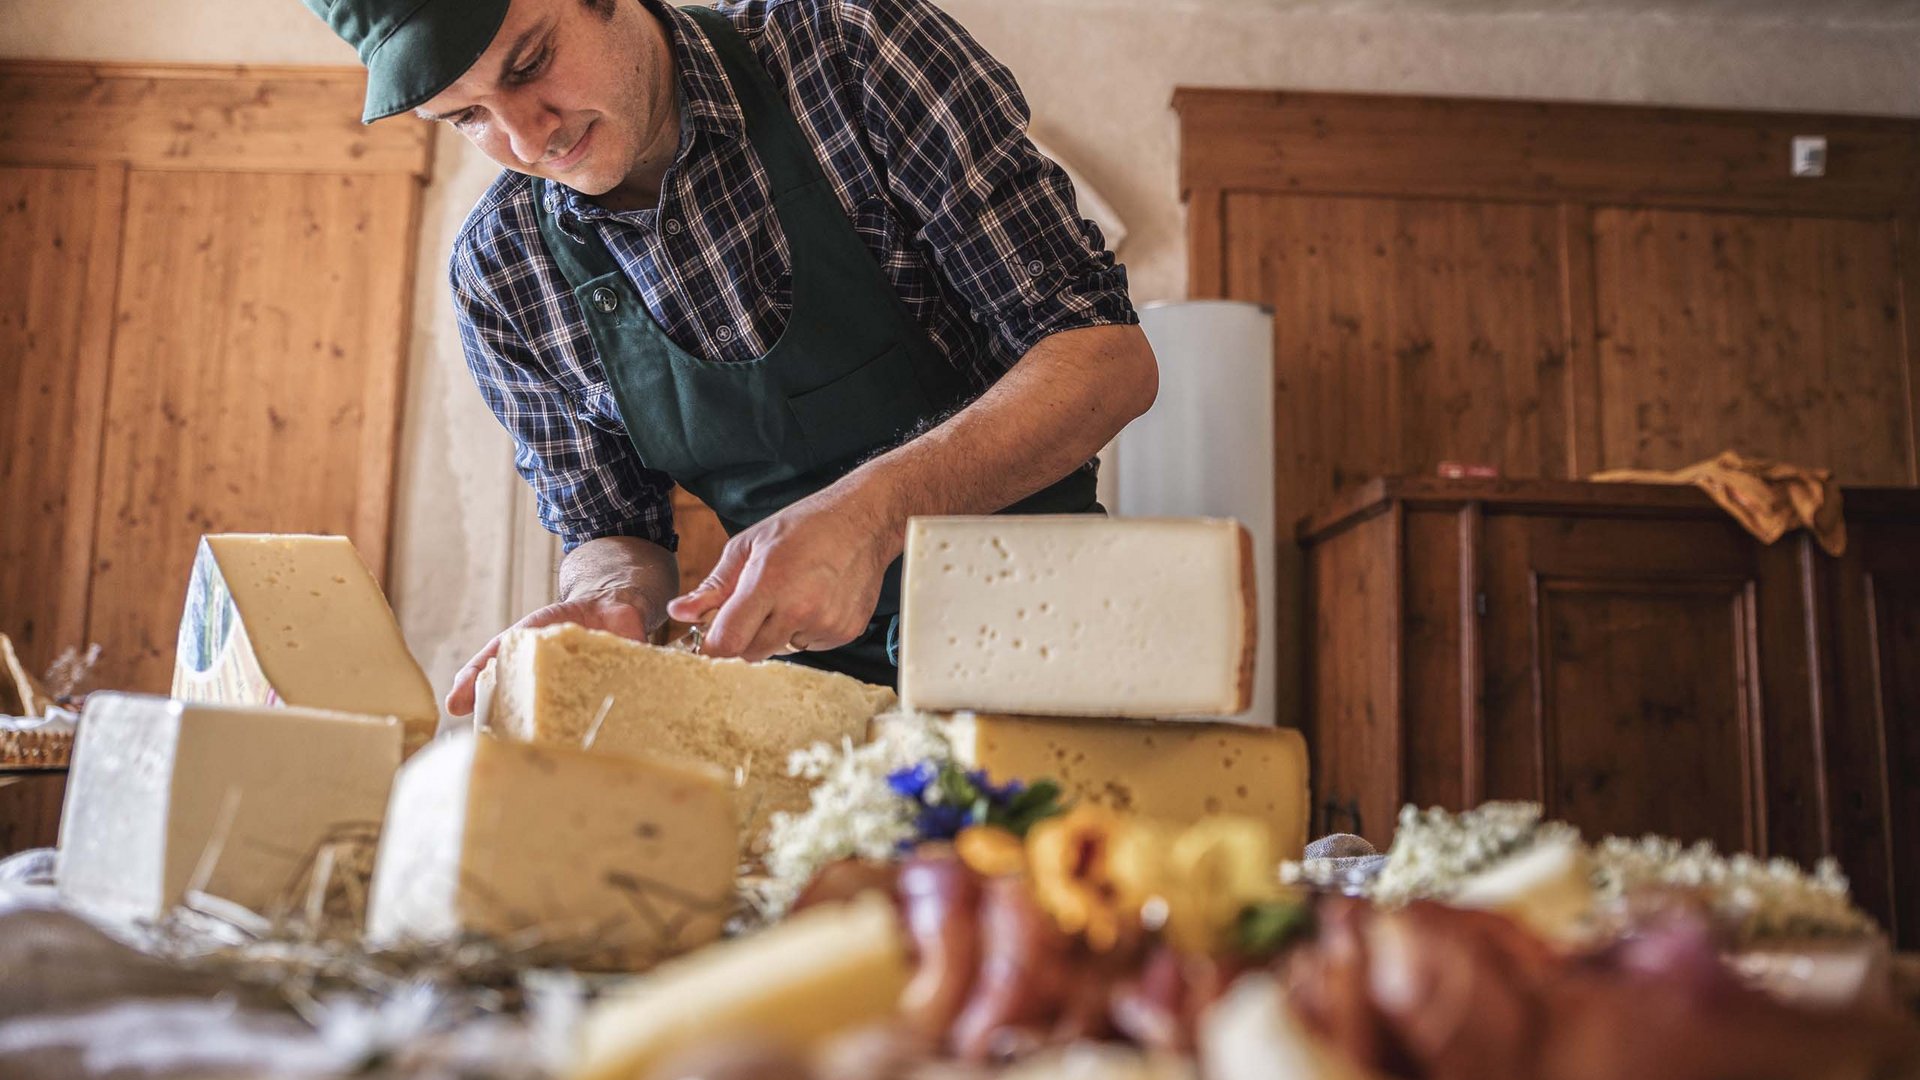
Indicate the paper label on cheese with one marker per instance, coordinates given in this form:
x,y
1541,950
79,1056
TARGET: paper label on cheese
x,y
296,620
1078,615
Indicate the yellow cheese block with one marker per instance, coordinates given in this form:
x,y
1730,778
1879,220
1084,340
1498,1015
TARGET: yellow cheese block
x,y
557,684
1078,615
1177,771
297,620
605,861
164,794
825,970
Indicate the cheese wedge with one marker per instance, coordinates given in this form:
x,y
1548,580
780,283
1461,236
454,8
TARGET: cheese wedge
x,y
600,861
1179,772
164,792
297,620
1078,615
825,970
557,684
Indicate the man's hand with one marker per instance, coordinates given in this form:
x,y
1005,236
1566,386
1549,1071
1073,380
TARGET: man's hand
x,y
807,578
618,612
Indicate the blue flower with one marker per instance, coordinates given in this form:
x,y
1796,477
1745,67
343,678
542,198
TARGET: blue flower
x,y
911,782
942,822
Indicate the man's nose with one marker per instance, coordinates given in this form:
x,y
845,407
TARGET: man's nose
x,y
530,129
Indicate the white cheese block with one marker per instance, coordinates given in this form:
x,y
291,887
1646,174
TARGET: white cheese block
x,y
1176,772
1078,615
828,969
297,620
600,860
159,788
557,684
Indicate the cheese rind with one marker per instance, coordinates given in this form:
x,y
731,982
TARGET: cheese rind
x,y
1176,771
557,683
158,785
298,620
605,861
824,970
1078,615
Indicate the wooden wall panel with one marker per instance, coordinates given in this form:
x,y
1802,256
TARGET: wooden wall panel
x,y
46,233
253,384
200,118
1776,336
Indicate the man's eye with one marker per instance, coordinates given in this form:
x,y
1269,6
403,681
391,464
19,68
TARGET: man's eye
x,y
463,118
528,70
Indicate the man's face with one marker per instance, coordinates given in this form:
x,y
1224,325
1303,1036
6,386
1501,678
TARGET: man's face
x,y
565,91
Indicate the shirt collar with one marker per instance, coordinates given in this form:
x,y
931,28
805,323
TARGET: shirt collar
x,y
707,101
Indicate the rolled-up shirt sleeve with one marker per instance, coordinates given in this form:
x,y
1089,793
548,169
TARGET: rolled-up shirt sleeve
x,y
586,479
999,217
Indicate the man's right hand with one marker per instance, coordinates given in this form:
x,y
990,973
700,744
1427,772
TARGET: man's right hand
x,y
621,611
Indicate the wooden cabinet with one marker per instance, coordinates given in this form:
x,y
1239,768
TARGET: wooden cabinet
x,y
1628,656
1554,289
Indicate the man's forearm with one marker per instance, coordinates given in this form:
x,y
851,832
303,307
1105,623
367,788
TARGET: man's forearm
x,y
637,571
1054,410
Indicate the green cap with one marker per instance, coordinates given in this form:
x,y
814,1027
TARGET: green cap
x,y
413,49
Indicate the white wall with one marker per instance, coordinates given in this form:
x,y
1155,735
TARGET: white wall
x,y
1100,75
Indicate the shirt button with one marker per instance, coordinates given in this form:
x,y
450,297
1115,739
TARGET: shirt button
x,y
1036,268
673,226
605,300
725,333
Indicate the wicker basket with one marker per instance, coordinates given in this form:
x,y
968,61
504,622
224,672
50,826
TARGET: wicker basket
x,y
35,749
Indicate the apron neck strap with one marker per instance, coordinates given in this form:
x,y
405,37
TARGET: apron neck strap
x,y
776,136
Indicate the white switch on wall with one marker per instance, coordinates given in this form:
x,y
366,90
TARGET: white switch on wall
x,y
1809,155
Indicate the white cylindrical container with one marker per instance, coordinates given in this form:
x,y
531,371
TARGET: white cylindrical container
x,y
1206,447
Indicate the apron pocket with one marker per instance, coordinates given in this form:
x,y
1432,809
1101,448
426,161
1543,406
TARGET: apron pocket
x,y
869,409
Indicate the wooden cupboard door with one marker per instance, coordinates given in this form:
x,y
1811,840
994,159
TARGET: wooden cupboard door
x,y
1648,676
1870,738
49,400
254,387
1775,335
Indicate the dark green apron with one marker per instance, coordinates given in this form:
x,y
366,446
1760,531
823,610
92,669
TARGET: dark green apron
x,y
852,374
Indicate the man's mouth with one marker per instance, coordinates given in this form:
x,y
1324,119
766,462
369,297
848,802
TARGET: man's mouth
x,y
572,157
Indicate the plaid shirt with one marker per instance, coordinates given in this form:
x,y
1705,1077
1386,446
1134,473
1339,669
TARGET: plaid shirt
x,y
923,135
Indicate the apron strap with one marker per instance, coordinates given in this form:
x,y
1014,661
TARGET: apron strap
x,y
783,148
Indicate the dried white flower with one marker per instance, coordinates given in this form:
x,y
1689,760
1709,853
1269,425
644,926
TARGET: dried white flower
x,y
852,813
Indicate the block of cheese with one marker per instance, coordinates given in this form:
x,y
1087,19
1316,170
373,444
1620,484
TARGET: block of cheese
x,y
825,970
297,620
557,683
602,861
163,791
1078,615
1179,771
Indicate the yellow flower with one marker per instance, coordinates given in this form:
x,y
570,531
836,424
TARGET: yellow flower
x,y
1069,856
991,851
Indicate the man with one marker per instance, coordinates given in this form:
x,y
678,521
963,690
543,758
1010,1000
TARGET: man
x,y
797,256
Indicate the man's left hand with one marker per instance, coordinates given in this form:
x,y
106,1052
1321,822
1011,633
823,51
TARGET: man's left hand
x,y
805,579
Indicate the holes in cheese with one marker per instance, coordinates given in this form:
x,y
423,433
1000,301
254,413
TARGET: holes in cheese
x,y
298,620
557,683
1078,615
